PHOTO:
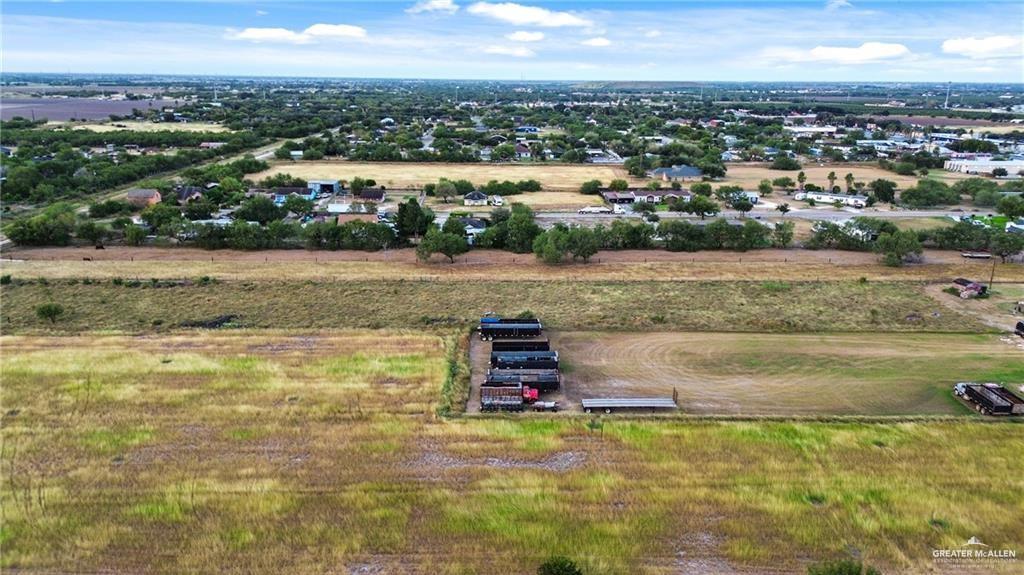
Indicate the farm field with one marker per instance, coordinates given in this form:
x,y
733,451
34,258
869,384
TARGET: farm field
x,y
766,306
553,176
63,109
785,374
632,265
319,451
139,126
543,201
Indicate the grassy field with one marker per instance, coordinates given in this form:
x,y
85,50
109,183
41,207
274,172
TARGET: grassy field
x,y
140,126
553,176
749,175
647,306
848,374
631,265
320,452
539,201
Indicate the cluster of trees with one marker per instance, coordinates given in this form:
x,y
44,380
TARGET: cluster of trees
x,y
683,236
508,188
966,236
54,169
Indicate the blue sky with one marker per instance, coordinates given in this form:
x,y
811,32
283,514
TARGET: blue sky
x,y
820,40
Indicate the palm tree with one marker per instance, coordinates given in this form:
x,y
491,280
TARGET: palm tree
x,y
831,181
849,183
801,178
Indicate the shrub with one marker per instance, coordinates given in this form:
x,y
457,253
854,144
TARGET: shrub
x,y
5,280
842,567
49,311
559,566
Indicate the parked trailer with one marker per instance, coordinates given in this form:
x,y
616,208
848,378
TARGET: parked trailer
x,y
990,398
495,330
609,404
541,344
542,379
500,320
524,359
511,398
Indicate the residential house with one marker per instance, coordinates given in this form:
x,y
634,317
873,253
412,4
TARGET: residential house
x,y
324,187
853,201
522,151
659,196
188,193
680,172
143,197
474,227
211,145
475,198
281,194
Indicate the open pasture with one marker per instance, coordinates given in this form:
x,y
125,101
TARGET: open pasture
x,y
552,176
749,175
139,126
791,374
319,452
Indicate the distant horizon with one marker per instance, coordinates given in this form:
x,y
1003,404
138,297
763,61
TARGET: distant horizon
x,y
697,83
584,40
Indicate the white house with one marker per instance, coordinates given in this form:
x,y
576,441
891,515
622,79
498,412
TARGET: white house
x,y
475,198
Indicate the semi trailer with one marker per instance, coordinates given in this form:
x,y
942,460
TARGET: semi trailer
x,y
524,360
539,344
491,328
542,379
990,398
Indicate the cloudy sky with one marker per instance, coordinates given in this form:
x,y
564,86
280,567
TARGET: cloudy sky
x,y
825,40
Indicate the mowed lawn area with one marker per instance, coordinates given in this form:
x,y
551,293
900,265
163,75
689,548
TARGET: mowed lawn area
x,y
143,305
553,176
314,452
749,175
791,374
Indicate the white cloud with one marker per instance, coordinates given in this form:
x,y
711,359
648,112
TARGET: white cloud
x,y
517,51
599,42
433,6
262,12
988,47
308,35
837,4
866,53
652,33
335,31
526,15
522,36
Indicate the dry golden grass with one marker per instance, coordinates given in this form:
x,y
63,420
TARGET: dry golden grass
x,y
539,201
140,126
552,176
317,452
652,265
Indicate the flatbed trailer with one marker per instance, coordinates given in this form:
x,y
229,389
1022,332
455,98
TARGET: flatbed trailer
x,y
502,398
609,404
539,344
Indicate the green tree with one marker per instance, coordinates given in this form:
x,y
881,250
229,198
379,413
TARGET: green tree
x,y
521,230
702,206
701,189
445,190
1011,207
764,188
49,311
742,205
831,181
783,209
782,235
260,209
412,219
884,190
90,232
134,235
784,182
1005,244
801,178
583,243
551,246
849,182
897,246
161,215
559,566
618,185
437,241
592,187
297,205
784,162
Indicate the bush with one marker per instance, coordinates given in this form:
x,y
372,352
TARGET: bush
x,y
5,280
49,311
842,567
785,163
559,566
